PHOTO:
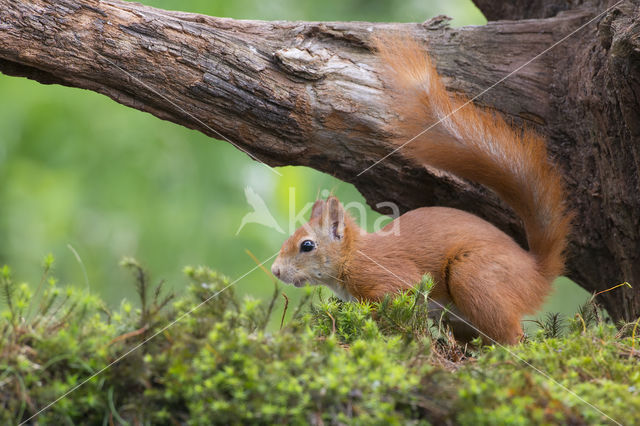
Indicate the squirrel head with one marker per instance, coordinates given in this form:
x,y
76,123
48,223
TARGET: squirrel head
x,y
316,251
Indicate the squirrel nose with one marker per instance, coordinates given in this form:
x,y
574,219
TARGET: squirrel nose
x,y
275,271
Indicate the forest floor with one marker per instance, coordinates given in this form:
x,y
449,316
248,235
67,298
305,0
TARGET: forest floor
x,y
241,360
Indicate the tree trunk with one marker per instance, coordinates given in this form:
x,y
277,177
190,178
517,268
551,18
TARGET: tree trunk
x,y
308,93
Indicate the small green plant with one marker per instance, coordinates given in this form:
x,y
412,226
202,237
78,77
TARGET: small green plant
x,y
405,314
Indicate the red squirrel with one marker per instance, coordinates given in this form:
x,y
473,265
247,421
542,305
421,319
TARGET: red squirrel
x,y
490,279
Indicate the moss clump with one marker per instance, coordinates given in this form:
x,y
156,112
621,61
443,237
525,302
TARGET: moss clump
x,y
332,362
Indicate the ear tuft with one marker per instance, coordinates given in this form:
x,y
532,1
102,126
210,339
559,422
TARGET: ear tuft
x,y
316,210
335,218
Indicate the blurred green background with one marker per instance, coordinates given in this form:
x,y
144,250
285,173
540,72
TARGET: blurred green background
x,y
81,173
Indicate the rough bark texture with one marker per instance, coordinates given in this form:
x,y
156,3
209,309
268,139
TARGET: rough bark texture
x,y
307,93
524,9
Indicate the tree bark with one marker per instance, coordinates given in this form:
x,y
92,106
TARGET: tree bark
x,y
309,93
523,9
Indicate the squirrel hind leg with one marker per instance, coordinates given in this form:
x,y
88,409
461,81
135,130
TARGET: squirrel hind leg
x,y
482,295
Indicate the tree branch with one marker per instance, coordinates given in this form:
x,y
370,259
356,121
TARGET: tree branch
x,y
495,10
308,93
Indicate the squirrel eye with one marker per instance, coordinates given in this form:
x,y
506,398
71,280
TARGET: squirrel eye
x,y
307,245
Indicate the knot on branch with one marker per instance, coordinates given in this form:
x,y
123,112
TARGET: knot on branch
x,y
307,63
437,22
619,24
625,31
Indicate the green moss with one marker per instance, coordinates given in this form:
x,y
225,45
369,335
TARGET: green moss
x,y
332,362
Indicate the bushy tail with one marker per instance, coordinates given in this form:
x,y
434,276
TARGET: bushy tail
x,y
479,146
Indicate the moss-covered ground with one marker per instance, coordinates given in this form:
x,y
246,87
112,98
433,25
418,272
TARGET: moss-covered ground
x,y
230,362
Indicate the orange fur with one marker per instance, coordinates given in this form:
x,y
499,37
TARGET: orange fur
x,y
480,146
491,280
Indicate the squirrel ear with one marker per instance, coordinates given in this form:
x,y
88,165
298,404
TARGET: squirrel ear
x,y
316,210
335,218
